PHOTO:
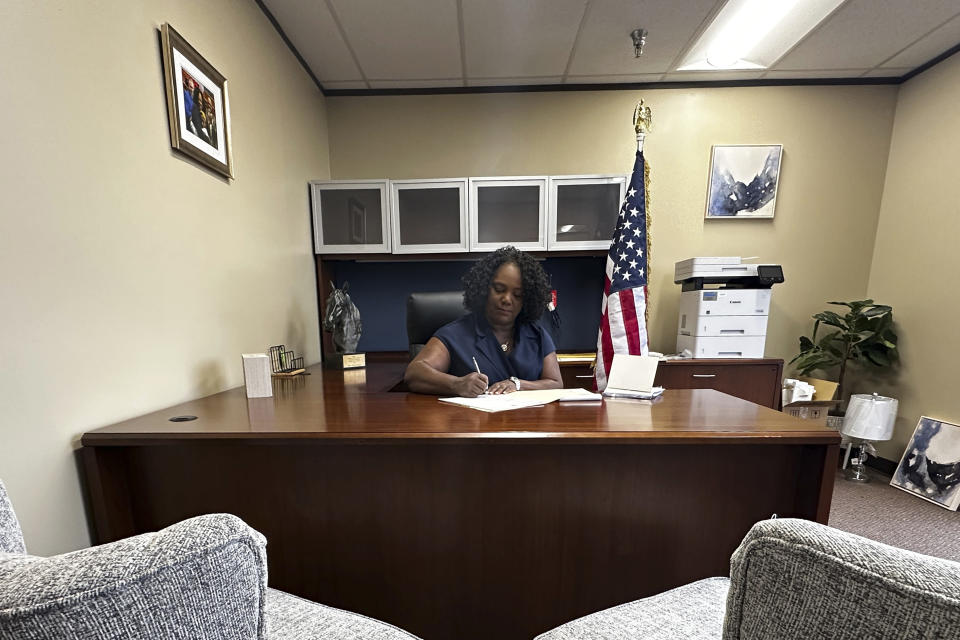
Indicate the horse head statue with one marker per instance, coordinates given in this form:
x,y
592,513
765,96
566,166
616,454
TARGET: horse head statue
x,y
342,318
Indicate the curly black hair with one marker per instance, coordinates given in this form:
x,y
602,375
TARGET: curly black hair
x,y
536,282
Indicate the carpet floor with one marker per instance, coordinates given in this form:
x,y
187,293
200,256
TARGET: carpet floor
x,y
883,513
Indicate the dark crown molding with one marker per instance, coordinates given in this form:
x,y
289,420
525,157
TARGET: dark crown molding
x,y
293,49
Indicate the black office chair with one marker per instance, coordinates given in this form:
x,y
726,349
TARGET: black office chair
x,y
427,312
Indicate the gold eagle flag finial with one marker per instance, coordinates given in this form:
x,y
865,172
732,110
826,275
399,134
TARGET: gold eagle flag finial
x,y
642,118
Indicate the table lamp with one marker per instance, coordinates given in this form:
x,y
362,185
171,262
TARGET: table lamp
x,y
869,418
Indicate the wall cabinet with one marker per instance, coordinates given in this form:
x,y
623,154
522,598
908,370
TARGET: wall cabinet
x,y
458,215
429,216
350,216
582,211
508,211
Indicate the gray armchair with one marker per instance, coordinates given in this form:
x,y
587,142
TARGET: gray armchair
x,y
203,578
796,579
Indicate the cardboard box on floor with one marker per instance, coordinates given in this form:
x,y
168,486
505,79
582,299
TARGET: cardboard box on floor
x,y
815,410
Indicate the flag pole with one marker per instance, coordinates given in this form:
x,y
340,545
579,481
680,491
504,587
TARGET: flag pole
x,y
643,124
624,309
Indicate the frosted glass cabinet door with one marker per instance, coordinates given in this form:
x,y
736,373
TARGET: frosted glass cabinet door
x,y
508,211
350,216
583,211
429,216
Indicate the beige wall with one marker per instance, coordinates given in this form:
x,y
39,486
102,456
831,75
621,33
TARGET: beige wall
x,y
835,141
133,279
915,261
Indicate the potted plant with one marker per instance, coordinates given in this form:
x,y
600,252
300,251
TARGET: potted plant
x,y
864,335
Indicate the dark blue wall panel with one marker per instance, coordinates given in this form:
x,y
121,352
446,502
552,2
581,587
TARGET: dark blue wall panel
x,y
380,290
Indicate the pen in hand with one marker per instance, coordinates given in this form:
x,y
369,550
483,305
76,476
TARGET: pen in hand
x,y
478,369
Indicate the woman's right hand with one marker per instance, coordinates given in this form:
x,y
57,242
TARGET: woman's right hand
x,y
471,385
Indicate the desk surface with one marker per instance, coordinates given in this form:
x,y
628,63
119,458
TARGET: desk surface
x,y
357,405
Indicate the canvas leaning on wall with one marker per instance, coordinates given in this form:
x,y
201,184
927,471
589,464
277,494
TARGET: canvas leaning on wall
x,y
743,181
930,466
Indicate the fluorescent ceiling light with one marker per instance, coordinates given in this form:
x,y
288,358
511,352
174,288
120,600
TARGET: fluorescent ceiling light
x,y
754,34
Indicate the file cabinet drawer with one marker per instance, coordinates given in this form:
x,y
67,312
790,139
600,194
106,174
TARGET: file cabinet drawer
x,y
756,380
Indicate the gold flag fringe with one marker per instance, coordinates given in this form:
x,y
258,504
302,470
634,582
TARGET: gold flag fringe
x,y
646,195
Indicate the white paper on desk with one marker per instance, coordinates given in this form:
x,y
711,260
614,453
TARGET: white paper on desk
x,y
578,395
493,403
632,373
521,399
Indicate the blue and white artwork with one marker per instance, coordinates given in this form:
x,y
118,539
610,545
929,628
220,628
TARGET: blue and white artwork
x,y
930,467
743,181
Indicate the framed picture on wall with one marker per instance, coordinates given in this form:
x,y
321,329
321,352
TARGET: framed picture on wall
x,y
930,466
743,181
197,104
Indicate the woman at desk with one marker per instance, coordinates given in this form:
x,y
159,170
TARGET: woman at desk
x,y
498,347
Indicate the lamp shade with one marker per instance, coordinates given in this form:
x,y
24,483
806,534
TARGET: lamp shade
x,y
870,417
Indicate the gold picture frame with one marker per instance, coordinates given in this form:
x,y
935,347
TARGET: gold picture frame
x,y
198,105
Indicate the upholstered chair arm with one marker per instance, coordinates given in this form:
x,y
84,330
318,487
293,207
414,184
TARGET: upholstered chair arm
x,y
201,578
799,579
11,539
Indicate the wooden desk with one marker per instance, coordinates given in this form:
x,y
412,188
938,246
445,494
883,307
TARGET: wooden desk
x,y
454,523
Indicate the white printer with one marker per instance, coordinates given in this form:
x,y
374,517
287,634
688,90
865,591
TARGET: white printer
x,y
724,306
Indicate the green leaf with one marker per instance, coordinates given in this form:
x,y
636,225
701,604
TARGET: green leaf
x,y
877,358
831,318
877,310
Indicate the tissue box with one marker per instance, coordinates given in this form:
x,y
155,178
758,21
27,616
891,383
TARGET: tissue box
x,y
816,409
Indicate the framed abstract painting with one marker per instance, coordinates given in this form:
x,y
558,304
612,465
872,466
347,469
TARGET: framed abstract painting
x,y
930,466
743,181
197,104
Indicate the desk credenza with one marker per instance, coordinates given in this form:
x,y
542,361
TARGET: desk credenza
x,y
459,524
756,380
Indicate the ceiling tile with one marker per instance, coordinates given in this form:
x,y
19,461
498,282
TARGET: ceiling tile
x,y
864,33
416,84
605,46
699,76
614,78
929,47
815,73
510,38
403,39
511,82
311,29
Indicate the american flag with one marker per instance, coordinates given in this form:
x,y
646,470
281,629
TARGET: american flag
x,y
623,327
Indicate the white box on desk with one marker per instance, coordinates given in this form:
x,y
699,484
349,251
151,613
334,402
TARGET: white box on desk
x,y
256,375
722,346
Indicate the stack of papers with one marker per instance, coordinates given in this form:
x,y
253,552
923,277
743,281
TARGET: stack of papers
x,y
655,392
632,377
522,399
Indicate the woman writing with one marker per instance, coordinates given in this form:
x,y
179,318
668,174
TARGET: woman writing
x,y
497,347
